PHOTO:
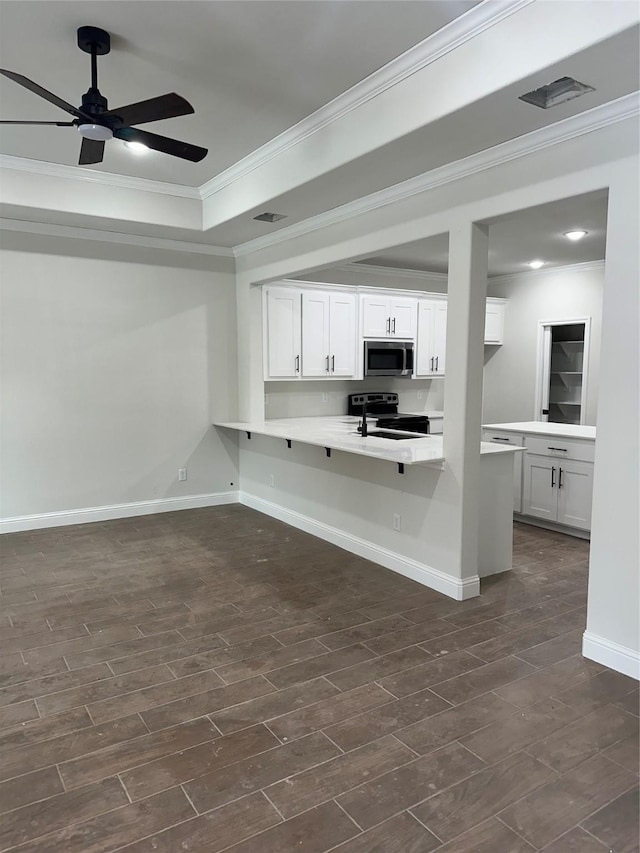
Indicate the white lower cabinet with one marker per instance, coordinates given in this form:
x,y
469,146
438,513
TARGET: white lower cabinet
x,y
558,490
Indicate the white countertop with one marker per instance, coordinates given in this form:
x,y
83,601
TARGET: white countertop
x,y
542,428
339,433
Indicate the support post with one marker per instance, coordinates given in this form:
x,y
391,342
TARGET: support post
x,y
467,293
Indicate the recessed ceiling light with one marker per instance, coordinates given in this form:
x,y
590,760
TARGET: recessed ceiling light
x,y
575,235
558,92
136,147
535,265
270,217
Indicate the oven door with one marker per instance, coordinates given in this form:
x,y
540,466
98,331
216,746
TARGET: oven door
x,y
388,358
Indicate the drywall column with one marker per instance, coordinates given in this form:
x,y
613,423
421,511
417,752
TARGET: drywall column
x,y
467,288
250,370
613,624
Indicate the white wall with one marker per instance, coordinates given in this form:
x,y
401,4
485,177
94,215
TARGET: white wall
x,y
510,370
303,399
115,361
613,618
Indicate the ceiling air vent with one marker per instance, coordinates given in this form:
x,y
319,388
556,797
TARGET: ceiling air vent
x,y
270,217
558,92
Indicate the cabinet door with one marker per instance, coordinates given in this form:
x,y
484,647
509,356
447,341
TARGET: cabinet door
x,y
539,496
315,333
494,323
425,359
403,317
376,316
283,332
575,488
342,337
440,336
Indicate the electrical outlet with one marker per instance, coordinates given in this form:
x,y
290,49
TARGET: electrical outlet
x,y
182,474
325,397
272,480
396,521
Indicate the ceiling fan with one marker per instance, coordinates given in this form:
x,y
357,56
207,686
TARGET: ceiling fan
x,y
96,123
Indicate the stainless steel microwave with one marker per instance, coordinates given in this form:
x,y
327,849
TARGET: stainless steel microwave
x,y
388,358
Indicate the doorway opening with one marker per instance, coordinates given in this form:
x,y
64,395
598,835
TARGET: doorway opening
x,y
563,364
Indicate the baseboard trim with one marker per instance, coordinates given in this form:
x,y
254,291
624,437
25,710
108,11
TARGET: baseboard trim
x,y
613,655
420,572
106,513
552,525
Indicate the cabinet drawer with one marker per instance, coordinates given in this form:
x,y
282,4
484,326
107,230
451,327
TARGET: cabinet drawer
x,y
498,437
560,448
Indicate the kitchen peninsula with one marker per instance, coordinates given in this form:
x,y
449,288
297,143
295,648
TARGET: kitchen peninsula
x,y
388,501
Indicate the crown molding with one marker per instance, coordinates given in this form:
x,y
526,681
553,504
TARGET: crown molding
x,y
395,272
454,34
108,179
73,232
521,146
514,277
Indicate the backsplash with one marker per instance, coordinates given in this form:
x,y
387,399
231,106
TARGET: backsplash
x,y
306,399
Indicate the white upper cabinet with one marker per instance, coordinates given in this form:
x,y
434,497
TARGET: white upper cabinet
x,y
432,332
315,333
342,334
311,330
494,322
388,316
328,334
282,331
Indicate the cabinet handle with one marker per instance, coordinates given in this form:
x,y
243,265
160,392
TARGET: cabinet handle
x,y
297,364
388,325
437,360
327,367
333,363
562,449
560,479
394,325
432,360
495,438
553,474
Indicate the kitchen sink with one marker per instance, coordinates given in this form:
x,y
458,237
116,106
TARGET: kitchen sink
x,y
396,436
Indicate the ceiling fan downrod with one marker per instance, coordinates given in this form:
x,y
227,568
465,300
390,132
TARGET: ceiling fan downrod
x,y
96,42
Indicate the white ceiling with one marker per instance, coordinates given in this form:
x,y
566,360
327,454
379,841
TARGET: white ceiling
x,y
253,69
536,233
250,68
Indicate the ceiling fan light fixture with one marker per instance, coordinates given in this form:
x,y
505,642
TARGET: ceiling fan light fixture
x,y
576,235
559,92
98,132
535,265
137,147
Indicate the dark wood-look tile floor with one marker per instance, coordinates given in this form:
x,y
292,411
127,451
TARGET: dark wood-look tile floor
x,y
214,680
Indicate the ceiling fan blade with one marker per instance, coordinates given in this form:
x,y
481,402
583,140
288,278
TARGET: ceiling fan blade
x,y
164,106
56,123
91,151
48,96
162,143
